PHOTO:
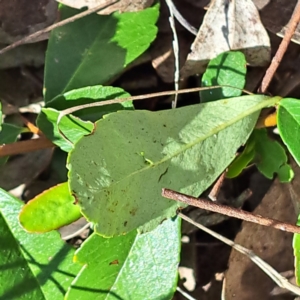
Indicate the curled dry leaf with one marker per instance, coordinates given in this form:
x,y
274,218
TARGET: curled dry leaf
x,y
121,6
229,25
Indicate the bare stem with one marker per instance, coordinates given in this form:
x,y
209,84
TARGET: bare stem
x,y
229,211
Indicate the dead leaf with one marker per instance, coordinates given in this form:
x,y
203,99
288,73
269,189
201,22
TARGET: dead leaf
x,y
229,25
121,6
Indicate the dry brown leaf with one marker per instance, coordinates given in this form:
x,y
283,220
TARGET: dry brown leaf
x,y
229,25
121,6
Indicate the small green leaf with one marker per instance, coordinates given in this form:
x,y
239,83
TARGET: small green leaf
x,y
50,210
288,122
242,161
132,266
228,68
285,173
72,127
96,48
91,94
270,155
118,190
296,247
47,256
8,134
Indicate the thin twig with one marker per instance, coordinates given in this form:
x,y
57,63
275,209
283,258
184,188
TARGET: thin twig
x,y
272,273
35,35
213,194
175,50
182,20
185,294
229,211
141,97
291,28
25,146
76,233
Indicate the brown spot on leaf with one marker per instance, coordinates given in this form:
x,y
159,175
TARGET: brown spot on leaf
x,y
114,262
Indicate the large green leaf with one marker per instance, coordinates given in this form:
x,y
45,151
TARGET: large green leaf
x,y
17,280
49,210
228,68
118,171
96,48
46,255
133,266
288,121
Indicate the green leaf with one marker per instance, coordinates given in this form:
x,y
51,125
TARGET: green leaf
x,y
228,68
270,155
133,266
74,128
96,48
50,210
288,122
17,280
285,173
242,161
8,134
118,171
92,94
47,256
296,247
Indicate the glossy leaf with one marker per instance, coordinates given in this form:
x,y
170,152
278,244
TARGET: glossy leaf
x,y
288,121
133,266
8,134
228,68
74,128
94,49
50,210
46,255
117,172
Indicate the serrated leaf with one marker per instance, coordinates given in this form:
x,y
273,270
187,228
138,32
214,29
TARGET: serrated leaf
x,y
270,155
288,122
49,210
133,266
75,128
47,256
8,134
228,68
117,173
96,48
